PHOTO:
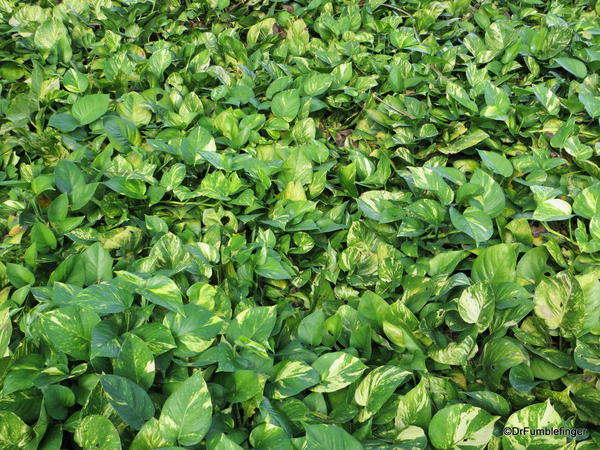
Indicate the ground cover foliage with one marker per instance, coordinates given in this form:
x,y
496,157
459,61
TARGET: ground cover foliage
x,y
313,224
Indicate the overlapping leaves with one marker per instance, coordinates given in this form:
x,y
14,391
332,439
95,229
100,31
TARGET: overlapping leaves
x,y
311,224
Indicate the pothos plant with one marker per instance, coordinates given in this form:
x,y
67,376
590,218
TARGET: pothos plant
x,y
299,225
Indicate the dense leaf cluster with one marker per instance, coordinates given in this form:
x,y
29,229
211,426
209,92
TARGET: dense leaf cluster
x,y
299,225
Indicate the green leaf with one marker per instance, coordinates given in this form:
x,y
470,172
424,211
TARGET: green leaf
x,y
253,323
160,61
412,437
222,442
129,400
49,33
157,336
82,196
316,84
136,362
19,276
377,387
198,141
267,435
5,331
14,433
587,356
547,98
551,210
476,305
337,370
75,81
58,399
486,266
532,265
69,330
186,415
414,407
273,269
297,167
194,330
97,264
591,104
43,237
310,330
104,298
498,104
473,222
587,400
373,309
426,178
90,108
572,65
68,177
490,199
63,122
286,104
97,431
490,401
331,437
150,437
132,188
456,353
559,302
292,377
461,426
122,134
457,93
243,385
538,415
587,203
499,355
134,109
164,292
22,373
497,162
464,142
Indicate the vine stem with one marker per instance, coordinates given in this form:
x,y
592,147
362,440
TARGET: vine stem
x,y
404,113
395,8
549,229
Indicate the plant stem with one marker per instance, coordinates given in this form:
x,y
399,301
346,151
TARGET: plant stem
x,y
404,113
547,227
